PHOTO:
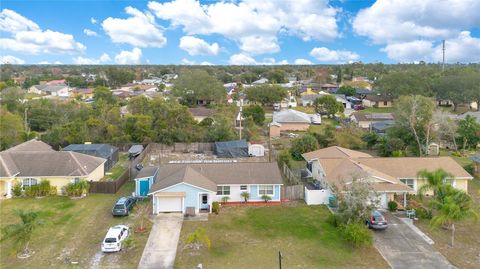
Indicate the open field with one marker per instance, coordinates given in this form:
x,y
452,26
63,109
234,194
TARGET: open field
x,y
72,231
250,237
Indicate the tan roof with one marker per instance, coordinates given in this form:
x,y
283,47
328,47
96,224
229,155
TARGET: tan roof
x,y
388,187
334,152
202,111
209,175
37,159
408,167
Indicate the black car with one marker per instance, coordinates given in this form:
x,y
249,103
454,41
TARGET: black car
x,y
123,206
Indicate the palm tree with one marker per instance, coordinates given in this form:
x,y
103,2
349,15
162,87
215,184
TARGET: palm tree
x,y
22,232
245,195
456,206
434,181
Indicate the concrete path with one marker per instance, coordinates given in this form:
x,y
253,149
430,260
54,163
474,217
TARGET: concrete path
x,y
403,248
161,248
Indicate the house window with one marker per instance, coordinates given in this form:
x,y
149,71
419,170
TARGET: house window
x,y
76,180
408,181
265,189
27,182
448,181
223,190
385,103
243,187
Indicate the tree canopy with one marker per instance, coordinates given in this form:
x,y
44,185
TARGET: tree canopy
x,y
197,85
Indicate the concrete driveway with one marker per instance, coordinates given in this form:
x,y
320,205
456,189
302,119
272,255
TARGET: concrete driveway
x,y
402,247
161,248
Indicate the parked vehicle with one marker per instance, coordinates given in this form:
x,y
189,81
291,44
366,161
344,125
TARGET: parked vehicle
x,y
123,206
114,238
316,184
377,221
358,107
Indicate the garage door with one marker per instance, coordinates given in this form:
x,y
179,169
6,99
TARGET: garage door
x,y
169,204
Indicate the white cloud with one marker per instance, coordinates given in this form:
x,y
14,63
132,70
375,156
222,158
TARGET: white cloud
x,y
302,62
254,25
196,46
139,30
12,22
8,59
242,59
323,54
206,63
27,37
91,61
129,57
47,62
407,52
93,20
90,32
186,61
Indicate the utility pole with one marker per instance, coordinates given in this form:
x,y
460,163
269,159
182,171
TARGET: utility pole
x,y
240,117
26,121
443,55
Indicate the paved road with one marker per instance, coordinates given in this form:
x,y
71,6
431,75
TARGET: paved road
x,y
404,248
161,248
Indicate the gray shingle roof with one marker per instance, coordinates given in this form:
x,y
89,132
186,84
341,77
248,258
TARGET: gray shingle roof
x,y
147,171
291,116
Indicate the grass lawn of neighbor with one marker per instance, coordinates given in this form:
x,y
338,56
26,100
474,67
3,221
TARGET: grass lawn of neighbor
x,y
119,168
72,231
251,236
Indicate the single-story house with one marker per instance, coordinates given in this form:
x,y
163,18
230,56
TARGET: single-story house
x,y
83,93
145,179
392,178
34,161
377,100
365,120
201,113
260,81
52,90
329,87
105,151
292,120
182,187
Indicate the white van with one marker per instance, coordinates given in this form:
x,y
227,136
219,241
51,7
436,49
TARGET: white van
x,y
113,239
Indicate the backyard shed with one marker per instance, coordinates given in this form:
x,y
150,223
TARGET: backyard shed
x,y
144,180
256,150
231,149
134,151
104,151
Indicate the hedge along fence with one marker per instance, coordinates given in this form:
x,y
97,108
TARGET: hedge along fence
x,y
129,174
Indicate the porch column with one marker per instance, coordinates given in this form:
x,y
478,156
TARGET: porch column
x,y
404,200
9,189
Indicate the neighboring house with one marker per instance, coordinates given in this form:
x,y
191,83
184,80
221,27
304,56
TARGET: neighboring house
x,y
289,102
392,178
475,114
33,161
377,100
292,120
307,91
308,99
329,87
145,179
260,81
83,93
201,113
56,82
380,127
105,151
52,90
365,120
194,187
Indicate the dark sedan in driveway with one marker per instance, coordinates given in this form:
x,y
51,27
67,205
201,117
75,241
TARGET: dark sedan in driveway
x,y
123,206
376,221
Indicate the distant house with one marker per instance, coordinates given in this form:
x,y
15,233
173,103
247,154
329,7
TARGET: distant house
x,y
260,81
52,90
83,93
33,161
474,114
377,100
380,127
365,120
56,82
292,120
201,113
192,188
105,151
308,100
332,88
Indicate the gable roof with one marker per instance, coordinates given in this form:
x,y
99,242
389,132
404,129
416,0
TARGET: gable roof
x,y
209,175
291,116
334,152
359,116
37,159
378,97
148,171
201,111
100,150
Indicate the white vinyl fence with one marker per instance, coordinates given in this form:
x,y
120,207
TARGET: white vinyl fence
x,y
317,197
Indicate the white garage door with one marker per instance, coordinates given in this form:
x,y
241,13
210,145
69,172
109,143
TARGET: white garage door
x,y
169,204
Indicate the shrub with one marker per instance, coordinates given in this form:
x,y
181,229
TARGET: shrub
x,y
245,195
225,199
77,189
44,188
423,213
216,207
470,168
392,206
285,158
199,236
333,220
17,189
266,198
357,234
31,191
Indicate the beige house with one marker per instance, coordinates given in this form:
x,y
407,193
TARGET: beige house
x,y
292,120
392,178
365,120
377,100
200,113
33,161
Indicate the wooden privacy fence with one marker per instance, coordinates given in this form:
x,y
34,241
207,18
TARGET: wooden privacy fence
x,y
294,192
292,177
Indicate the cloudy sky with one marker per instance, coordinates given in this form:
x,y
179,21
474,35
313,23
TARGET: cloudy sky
x,y
243,32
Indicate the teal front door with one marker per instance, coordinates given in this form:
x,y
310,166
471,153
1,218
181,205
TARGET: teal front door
x,y
143,187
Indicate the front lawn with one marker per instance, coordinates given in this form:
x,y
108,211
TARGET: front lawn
x,y
378,110
251,236
72,231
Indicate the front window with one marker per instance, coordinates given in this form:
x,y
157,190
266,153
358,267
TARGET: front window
x,y
448,181
111,240
243,187
408,181
223,190
28,182
76,180
265,189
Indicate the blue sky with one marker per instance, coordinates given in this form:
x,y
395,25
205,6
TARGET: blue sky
x,y
238,32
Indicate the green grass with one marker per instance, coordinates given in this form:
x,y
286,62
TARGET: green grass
x,y
118,169
378,110
251,236
72,230
305,109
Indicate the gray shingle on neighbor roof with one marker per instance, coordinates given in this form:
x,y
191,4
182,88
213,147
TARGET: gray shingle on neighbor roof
x,y
102,150
31,145
147,171
208,176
